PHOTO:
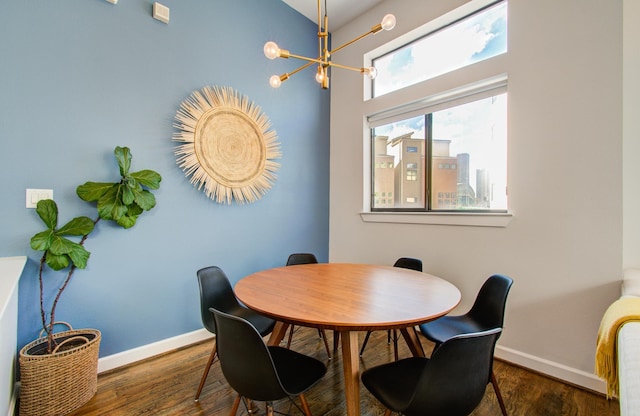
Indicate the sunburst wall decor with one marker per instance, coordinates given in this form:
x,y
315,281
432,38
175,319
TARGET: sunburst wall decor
x,y
228,145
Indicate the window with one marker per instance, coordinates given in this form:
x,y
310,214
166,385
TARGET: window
x,y
476,37
450,149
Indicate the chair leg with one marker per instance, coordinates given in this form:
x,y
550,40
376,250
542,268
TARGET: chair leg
x,y
290,336
336,340
494,382
388,337
305,405
251,407
395,344
323,335
212,358
387,413
269,409
364,344
415,331
236,403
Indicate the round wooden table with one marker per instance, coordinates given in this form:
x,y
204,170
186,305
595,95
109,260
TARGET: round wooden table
x,y
348,298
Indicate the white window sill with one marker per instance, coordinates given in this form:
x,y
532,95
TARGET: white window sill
x,y
473,219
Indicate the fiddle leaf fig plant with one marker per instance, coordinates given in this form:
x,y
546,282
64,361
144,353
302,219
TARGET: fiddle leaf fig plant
x,y
59,251
122,202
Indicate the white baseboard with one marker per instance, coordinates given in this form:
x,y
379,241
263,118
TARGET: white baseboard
x,y
560,371
140,353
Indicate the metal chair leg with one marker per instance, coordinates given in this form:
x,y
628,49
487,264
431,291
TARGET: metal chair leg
x,y
323,335
364,343
212,358
395,344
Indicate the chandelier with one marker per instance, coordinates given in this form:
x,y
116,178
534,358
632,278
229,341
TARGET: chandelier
x,y
323,61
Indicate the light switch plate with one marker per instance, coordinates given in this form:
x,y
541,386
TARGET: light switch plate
x,y
35,195
161,12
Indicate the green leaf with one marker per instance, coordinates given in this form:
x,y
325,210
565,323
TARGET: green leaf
x,y
79,256
110,206
123,156
48,211
132,183
77,226
127,221
134,210
127,193
61,245
145,199
92,191
42,240
148,178
57,262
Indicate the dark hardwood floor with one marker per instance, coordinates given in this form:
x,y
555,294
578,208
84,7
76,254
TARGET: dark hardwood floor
x,y
166,385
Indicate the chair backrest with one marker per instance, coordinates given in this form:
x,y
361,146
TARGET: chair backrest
x,y
488,308
245,360
301,258
409,263
215,292
455,379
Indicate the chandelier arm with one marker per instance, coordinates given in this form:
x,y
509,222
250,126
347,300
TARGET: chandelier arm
x,y
311,60
373,30
351,68
295,71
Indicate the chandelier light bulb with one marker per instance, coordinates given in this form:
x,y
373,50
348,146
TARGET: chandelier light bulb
x,y
319,75
275,81
372,72
388,22
271,50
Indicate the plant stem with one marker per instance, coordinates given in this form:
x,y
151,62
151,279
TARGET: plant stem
x,y
42,314
49,327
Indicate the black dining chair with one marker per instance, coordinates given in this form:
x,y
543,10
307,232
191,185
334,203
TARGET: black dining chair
x,y
487,312
306,258
406,263
258,372
450,383
216,292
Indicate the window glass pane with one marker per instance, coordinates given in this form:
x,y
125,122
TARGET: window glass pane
x,y
469,156
400,144
467,147
478,37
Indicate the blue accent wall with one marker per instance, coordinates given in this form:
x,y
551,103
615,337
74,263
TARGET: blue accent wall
x,y
80,77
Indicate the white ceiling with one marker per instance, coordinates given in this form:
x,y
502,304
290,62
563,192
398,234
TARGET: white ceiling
x,y
339,11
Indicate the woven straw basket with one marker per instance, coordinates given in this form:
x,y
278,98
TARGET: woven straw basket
x,y
57,384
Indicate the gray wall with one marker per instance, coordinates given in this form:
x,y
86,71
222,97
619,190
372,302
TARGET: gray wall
x,y
563,246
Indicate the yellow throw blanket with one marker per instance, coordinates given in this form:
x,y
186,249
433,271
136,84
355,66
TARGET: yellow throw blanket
x,y
619,312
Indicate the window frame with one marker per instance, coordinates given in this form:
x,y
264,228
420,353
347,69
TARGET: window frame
x,y
481,79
